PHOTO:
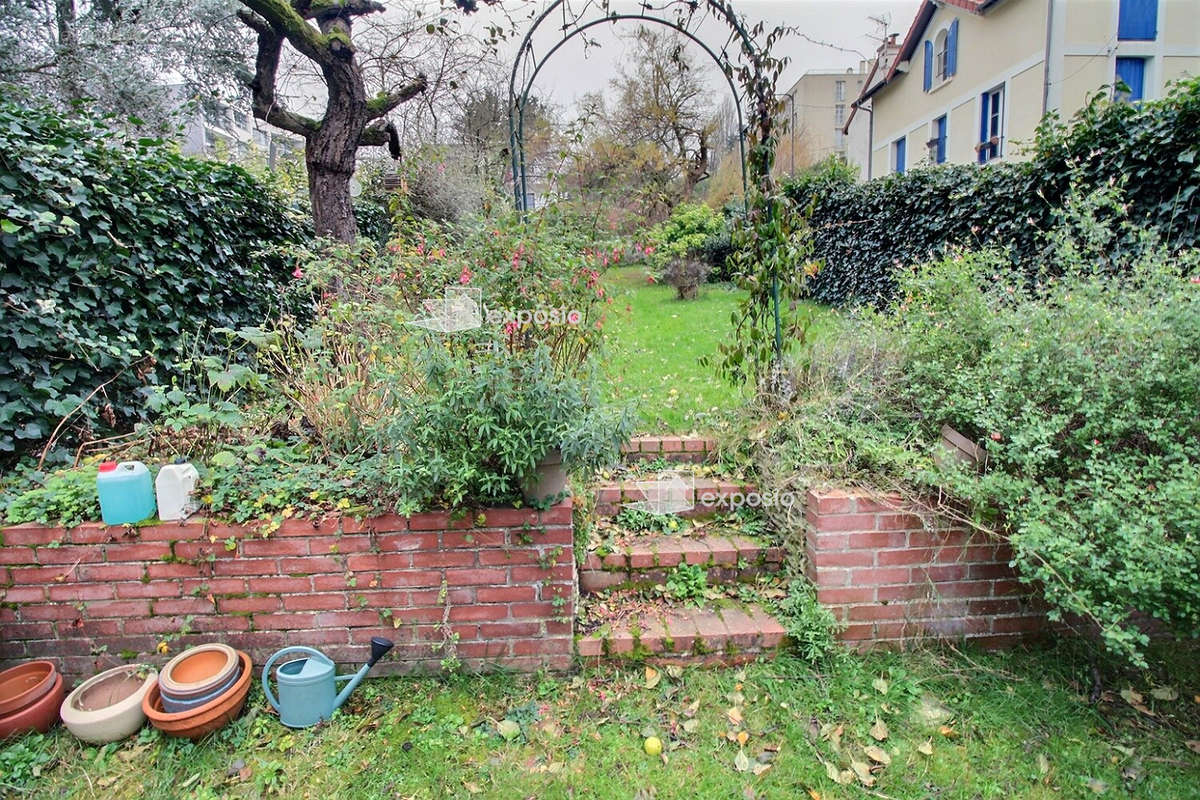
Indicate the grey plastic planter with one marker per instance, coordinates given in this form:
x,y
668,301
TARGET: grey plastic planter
x,y
108,707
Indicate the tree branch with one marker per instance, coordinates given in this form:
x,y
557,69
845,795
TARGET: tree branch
x,y
379,133
262,86
289,24
384,103
336,8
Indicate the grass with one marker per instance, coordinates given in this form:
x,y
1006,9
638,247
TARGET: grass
x,y
1019,726
655,342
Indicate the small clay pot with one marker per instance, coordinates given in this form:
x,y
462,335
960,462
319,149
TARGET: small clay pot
x,y
547,481
108,707
24,683
204,720
37,716
198,671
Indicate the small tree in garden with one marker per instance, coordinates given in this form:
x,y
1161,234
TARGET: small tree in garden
x,y
322,32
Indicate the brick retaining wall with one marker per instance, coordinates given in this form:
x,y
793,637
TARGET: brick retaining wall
x,y
494,590
892,577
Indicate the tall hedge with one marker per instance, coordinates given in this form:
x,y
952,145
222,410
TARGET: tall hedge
x,y
117,253
865,232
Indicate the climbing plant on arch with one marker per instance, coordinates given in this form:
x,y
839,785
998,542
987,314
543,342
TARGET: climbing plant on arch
x,y
769,250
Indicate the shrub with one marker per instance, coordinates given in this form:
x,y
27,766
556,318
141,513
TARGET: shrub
x,y
1085,390
118,255
685,275
684,233
865,233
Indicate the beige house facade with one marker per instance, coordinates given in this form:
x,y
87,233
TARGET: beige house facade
x,y
973,78
818,107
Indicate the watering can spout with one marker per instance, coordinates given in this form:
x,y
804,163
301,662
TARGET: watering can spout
x,y
379,648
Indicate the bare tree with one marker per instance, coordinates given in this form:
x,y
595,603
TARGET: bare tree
x,y
321,31
663,98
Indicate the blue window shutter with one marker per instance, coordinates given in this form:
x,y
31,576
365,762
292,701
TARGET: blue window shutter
x,y
901,147
952,49
1137,20
941,140
983,127
928,64
1133,72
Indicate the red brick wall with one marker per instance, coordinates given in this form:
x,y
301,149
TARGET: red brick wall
x,y
92,595
891,577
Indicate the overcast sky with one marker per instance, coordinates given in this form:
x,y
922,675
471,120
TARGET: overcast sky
x,y
846,24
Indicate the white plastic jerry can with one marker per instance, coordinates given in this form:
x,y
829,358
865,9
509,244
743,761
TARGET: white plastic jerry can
x,y
174,487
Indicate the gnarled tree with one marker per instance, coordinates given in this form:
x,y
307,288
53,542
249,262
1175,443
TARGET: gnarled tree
x,y
321,31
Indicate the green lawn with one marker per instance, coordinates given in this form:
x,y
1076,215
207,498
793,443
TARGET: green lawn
x,y
1009,725
655,342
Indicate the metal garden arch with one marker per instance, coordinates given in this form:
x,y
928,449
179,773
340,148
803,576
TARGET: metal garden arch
x,y
517,103
576,27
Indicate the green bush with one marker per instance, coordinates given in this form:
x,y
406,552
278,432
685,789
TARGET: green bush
x,y
1085,390
118,256
686,231
865,233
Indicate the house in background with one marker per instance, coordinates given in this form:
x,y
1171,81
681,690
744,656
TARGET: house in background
x,y
817,107
973,78
217,129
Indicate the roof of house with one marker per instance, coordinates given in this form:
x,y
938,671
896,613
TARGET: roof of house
x,y
909,45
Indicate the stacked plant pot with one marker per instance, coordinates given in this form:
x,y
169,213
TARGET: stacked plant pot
x,y
30,695
108,707
199,691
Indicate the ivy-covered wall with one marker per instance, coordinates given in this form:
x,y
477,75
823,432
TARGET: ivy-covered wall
x,y
865,232
117,254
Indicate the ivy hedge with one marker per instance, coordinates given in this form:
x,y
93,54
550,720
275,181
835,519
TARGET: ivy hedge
x,y
865,232
118,255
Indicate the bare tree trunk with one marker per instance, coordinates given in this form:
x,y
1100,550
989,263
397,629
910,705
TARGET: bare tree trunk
x,y
64,15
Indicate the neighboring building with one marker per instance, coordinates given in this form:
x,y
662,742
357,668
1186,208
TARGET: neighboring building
x,y
817,107
218,129
973,78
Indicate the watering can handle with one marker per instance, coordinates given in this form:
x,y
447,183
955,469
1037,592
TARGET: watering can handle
x,y
266,673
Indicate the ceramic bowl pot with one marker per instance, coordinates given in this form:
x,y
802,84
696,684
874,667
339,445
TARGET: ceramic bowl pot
x,y
198,671
38,715
24,683
108,707
207,718
173,705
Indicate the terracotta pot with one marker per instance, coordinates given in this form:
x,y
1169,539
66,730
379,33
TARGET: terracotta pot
x,y
198,671
37,716
24,683
173,705
207,718
548,481
108,707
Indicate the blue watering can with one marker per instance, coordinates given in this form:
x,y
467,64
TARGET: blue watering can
x,y
308,686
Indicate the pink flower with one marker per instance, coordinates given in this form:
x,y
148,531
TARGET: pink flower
x,y
297,273
466,276
510,327
649,250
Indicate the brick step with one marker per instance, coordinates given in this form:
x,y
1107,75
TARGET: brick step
x,y
647,560
732,634
680,449
702,496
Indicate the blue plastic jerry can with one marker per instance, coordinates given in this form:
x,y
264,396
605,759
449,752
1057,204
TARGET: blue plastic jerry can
x,y
126,492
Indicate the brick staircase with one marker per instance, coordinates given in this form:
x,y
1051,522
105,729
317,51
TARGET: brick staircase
x,y
721,632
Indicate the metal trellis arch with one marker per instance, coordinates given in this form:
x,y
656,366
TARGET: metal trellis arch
x,y
517,103
576,27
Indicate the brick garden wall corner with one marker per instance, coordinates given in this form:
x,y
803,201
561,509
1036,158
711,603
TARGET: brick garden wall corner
x,y
893,577
492,590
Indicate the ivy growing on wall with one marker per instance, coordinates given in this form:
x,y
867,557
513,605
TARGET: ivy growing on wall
x,y
865,233
117,253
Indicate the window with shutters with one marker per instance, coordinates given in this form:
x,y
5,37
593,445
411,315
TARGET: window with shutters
x,y
991,125
941,56
839,91
898,153
937,140
1137,20
1130,82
